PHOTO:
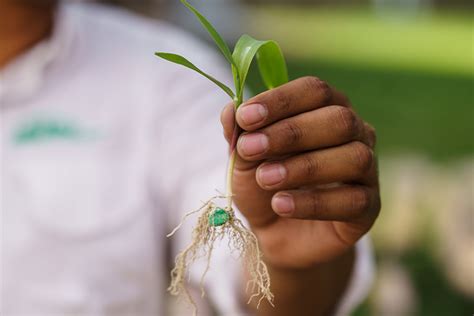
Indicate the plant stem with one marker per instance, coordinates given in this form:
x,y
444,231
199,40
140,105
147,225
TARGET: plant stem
x,y
233,155
230,174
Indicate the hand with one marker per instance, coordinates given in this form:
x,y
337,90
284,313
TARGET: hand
x,y
305,176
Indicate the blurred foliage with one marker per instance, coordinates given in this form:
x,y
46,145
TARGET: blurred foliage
x,y
411,77
450,3
436,295
432,41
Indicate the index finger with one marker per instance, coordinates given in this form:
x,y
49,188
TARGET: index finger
x,y
296,97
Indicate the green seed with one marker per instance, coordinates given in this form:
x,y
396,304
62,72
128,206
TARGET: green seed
x,y
219,217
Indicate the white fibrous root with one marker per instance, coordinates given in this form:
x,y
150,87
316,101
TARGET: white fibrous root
x,y
215,223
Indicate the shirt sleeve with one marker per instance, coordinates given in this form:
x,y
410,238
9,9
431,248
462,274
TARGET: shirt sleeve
x,y
361,279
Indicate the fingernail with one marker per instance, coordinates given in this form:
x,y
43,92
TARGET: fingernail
x,y
283,204
252,113
253,144
271,174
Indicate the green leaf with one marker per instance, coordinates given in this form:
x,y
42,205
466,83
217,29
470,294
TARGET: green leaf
x,y
180,60
212,31
270,60
272,65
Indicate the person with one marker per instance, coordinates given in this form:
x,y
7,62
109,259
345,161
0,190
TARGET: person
x,y
104,147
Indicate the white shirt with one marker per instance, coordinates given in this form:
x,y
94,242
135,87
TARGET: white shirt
x,y
103,148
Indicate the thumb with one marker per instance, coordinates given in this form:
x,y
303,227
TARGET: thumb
x,y
228,121
231,133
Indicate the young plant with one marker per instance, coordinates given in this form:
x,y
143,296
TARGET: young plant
x,y
215,222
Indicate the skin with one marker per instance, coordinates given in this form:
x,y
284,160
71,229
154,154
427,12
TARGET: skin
x,y
329,174
23,23
306,180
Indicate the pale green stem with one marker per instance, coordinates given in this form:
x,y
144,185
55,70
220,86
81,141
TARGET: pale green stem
x,y
230,175
233,155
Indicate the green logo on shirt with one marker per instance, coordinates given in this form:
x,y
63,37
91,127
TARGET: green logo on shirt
x,y
42,130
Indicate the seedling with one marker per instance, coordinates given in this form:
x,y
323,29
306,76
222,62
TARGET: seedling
x,y
215,221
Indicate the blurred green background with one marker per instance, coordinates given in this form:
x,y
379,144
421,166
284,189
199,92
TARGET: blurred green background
x,y
408,68
411,76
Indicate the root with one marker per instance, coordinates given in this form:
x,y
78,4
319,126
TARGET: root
x,y
183,219
241,240
246,243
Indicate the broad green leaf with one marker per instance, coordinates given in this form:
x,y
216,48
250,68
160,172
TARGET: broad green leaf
x,y
212,31
270,60
272,65
180,60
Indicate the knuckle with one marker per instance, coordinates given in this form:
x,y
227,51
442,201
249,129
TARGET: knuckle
x,y
325,91
347,121
310,166
311,82
282,100
293,132
315,203
363,156
377,206
360,201
316,86
372,134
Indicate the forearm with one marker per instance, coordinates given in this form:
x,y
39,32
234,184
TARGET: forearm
x,y
312,292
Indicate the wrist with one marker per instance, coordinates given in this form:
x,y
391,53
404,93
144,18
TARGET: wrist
x,y
315,290
291,252
306,266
